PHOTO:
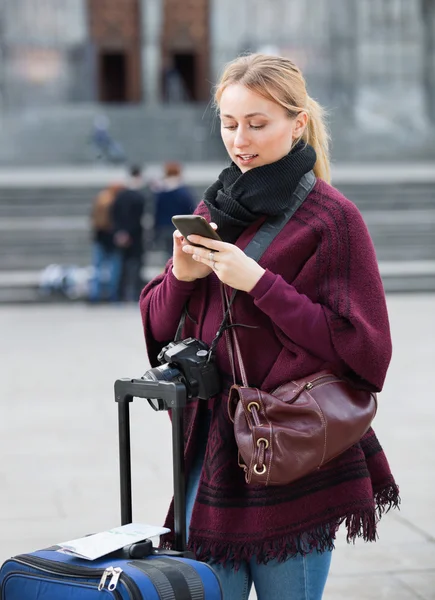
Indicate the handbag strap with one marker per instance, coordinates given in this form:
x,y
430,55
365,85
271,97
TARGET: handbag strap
x,y
270,228
233,333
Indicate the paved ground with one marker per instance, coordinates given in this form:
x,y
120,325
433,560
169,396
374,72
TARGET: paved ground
x,y
58,441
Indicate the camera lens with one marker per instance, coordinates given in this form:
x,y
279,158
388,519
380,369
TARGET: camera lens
x,y
164,373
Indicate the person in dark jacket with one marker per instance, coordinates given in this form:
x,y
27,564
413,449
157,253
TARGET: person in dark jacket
x,y
127,214
314,301
172,197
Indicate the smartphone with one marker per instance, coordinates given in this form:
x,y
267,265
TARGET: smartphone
x,y
194,224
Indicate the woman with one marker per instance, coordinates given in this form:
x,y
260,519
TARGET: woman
x,y
314,300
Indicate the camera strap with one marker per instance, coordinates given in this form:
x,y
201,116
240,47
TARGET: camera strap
x,y
270,228
180,327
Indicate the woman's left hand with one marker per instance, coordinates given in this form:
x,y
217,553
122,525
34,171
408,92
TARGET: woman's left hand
x,y
230,264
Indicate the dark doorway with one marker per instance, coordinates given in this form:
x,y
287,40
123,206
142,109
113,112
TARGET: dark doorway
x,y
113,77
185,65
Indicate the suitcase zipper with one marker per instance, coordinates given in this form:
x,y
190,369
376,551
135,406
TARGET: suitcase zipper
x,y
47,576
114,573
48,566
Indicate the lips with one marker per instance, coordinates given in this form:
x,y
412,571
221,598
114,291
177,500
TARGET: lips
x,y
246,160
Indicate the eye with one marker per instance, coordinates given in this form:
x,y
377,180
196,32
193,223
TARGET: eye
x,y
257,126
230,127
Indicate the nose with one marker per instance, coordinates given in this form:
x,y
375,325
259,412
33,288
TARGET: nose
x,y
241,139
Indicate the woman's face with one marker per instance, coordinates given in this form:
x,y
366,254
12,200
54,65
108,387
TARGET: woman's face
x,y
256,131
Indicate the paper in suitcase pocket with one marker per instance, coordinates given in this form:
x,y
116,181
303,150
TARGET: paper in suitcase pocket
x,y
94,546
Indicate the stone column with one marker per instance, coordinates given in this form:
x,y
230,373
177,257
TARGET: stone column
x,y
229,30
344,56
3,59
428,58
152,22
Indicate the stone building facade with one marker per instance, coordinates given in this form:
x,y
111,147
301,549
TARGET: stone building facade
x,y
370,62
114,33
45,52
121,51
360,57
151,50
185,47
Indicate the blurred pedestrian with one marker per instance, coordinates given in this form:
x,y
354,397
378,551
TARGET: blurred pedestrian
x,y
128,209
106,257
173,197
174,87
105,145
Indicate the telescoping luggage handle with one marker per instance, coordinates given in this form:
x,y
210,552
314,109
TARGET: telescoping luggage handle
x,y
173,394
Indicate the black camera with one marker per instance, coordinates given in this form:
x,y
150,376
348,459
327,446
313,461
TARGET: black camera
x,y
188,362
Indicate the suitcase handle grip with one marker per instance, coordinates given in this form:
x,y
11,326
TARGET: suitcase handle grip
x,y
174,396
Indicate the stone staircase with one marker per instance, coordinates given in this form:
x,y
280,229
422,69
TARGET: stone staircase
x,y
61,135
45,223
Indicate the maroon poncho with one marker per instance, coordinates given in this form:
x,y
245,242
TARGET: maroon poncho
x,y
320,303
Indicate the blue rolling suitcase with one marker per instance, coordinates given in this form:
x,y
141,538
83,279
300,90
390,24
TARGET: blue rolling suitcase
x,y
137,572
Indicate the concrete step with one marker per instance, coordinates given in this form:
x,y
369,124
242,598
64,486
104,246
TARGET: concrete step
x,y
367,196
398,277
35,242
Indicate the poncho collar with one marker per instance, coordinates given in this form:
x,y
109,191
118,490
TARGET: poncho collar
x,y
238,199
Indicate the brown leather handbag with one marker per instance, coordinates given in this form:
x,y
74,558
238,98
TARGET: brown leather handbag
x,y
297,428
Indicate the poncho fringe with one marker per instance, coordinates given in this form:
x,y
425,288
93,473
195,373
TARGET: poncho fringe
x,y
360,524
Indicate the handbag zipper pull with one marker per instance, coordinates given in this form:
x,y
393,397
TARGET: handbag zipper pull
x,y
105,575
116,574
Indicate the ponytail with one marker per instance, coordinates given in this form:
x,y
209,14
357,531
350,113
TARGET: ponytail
x,y
316,134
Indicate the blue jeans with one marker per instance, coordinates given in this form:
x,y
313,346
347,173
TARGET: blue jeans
x,y
299,578
107,273
131,280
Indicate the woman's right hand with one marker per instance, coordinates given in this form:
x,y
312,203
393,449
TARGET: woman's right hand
x,y
184,267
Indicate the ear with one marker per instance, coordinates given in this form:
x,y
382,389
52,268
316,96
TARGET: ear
x,y
299,124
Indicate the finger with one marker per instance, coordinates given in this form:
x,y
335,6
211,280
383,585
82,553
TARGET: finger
x,y
204,259
206,256
197,252
207,242
179,240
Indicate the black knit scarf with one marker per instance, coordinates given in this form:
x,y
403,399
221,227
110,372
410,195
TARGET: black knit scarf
x,y
237,199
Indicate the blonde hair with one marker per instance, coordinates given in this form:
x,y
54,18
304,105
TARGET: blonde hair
x,y
278,79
